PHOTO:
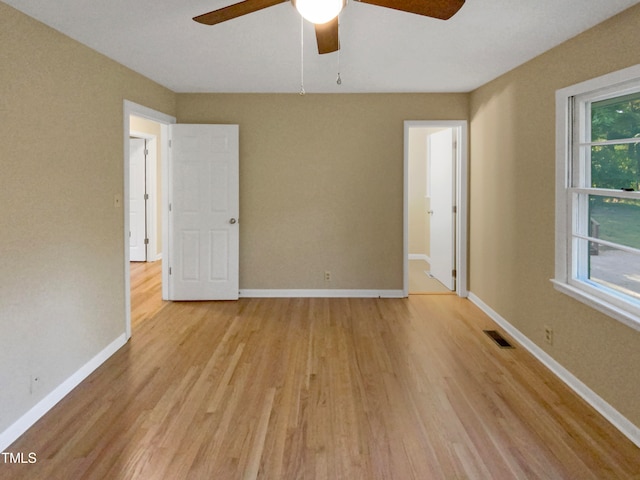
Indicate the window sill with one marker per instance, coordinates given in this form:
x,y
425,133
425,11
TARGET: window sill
x,y
624,316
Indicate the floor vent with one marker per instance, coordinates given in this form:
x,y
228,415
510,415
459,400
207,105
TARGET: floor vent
x,y
499,339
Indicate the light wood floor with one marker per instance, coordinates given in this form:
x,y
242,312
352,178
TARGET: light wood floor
x,y
146,291
420,283
320,389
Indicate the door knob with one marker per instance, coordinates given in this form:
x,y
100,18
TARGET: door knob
x,y
430,212
232,221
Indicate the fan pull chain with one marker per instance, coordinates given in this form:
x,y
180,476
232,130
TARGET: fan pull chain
x,y
302,92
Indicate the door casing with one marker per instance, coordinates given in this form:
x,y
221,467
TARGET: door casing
x,y
460,128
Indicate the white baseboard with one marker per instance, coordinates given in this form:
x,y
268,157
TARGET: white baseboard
x,y
21,425
630,430
320,293
420,256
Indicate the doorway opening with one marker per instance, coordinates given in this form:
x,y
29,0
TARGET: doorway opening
x,y
145,219
151,127
435,207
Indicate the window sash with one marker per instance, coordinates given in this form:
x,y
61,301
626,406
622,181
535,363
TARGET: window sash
x,y
604,192
617,141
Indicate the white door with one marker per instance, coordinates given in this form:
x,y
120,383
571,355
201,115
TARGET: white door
x,y
442,181
137,202
203,217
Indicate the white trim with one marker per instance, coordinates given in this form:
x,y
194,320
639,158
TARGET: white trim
x,y
462,167
131,108
319,293
626,427
164,154
21,425
420,256
562,183
405,213
462,163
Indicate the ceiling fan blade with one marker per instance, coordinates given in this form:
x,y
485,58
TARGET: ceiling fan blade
x,y
235,10
442,9
327,36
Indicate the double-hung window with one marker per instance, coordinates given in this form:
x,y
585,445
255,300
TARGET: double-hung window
x,y
597,194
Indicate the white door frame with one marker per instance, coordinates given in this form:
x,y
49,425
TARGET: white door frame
x,y
459,126
131,108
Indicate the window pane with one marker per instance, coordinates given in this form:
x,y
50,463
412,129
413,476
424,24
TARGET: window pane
x,y
615,166
617,270
616,118
615,220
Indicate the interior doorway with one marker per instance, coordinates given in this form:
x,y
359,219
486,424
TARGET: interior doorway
x,y
435,210
153,127
145,218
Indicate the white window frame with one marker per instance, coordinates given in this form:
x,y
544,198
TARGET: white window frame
x,y
569,103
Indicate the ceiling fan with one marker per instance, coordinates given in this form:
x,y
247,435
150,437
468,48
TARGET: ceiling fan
x,y
326,22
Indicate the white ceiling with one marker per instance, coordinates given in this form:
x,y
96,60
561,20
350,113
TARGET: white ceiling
x,y
383,50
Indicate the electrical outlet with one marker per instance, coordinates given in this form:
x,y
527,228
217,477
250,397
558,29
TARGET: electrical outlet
x,y
548,334
327,276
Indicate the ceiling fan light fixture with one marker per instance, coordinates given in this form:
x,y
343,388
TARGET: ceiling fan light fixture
x,y
319,11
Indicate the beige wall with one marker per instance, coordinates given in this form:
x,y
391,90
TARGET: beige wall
x,y
321,182
419,223
512,211
61,242
142,125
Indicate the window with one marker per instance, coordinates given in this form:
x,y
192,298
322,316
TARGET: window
x,y
597,194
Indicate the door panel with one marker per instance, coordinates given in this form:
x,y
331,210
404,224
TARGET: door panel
x,y
204,197
190,254
219,253
137,202
442,158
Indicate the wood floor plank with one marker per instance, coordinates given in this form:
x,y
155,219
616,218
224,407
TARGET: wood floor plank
x,y
319,389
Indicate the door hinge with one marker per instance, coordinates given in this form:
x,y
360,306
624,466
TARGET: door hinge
x,y
170,207
169,143
454,273
169,270
455,209
146,152
146,196
146,241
